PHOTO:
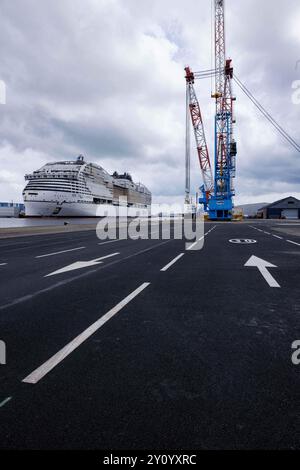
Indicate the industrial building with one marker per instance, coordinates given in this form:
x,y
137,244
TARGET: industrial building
x,y
11,209
287,208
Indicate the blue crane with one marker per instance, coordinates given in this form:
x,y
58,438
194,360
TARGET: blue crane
x,y
217,191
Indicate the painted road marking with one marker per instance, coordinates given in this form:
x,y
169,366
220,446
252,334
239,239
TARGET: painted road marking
x,y
277,236
262,266
150,235
3,403
68,280
201,238
81,264
294,243
242,241
136,237
45,368
3,264
110,241
60,252
172,262
194,244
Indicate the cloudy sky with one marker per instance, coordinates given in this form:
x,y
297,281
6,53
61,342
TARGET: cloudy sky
x,y
105,78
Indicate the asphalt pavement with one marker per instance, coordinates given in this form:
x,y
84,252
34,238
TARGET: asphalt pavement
x,y
143,344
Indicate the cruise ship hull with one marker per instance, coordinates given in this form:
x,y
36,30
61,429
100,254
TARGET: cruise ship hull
x,y
77,209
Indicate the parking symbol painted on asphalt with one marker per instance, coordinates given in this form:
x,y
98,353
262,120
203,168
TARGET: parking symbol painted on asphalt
x,y
243,241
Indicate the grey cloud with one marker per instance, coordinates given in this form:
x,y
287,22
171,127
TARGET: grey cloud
x,y
105,78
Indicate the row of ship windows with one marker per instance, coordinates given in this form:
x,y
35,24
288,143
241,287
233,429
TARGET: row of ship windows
x,y
81,188
48,179
56,189
62,190
53,180
48,174
56,184
56,180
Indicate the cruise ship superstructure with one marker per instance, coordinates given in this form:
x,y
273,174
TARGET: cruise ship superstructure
x,y
80,189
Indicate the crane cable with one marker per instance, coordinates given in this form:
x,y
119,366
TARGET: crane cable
x,y
267,115
209,73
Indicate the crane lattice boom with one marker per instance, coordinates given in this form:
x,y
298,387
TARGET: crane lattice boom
x,y
200,137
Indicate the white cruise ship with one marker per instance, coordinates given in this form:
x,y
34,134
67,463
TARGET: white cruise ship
x,y
80,189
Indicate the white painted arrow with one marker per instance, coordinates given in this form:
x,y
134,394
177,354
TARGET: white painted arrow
x,y
262,266
81,264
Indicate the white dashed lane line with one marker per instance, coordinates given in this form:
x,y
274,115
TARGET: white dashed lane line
x,y
275,236
201,238
60,252
134,237
3,264
109,241
3,403
172,262
294,243
45,368
194,244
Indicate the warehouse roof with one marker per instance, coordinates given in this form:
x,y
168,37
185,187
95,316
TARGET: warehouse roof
x,y
285,203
